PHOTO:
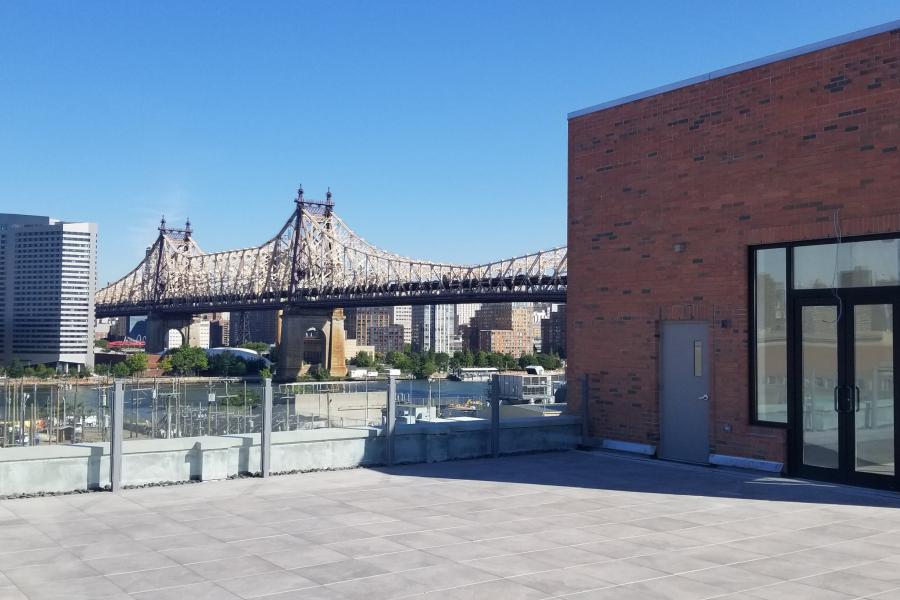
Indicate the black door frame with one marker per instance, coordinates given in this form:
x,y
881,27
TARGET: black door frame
x,y
845,299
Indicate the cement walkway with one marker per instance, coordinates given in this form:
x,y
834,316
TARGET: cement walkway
x,y
564,525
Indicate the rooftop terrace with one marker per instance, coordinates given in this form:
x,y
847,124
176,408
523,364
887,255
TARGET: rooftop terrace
x,y
555,525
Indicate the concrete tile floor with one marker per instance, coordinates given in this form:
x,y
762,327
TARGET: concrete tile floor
x,y
573,525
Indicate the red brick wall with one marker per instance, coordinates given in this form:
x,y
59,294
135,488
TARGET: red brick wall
x,y
764,155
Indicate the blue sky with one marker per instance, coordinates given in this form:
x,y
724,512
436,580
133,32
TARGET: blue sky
x,y
441,127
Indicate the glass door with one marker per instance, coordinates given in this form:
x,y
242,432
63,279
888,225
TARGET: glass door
x,y
819,390
872,364
845,389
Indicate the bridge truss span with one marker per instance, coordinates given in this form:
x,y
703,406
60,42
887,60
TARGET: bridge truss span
x,y
316,260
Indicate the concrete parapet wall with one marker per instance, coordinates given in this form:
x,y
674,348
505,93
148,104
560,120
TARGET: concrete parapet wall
x,y
66,468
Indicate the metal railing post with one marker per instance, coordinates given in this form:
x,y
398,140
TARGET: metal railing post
x,y
390,420
265,431
115,436
495,416
585,409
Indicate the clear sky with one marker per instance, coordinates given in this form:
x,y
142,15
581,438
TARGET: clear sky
x,y
440,126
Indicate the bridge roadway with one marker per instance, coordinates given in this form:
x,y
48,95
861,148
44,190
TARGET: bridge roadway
x,y
555,292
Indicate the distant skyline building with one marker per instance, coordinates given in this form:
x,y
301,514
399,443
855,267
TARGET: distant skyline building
x,y
403,316
48,270
368,318
540,312
218,332
381,323
386,338
434,327
199,334
505,328
553,331
465,313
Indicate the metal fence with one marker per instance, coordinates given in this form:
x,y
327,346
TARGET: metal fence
x,y
115,411
65,412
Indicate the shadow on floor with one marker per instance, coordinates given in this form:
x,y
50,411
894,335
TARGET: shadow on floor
x,y
616,472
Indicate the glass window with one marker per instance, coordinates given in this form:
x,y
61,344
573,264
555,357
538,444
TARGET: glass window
x,y
851,264
698,358
770,304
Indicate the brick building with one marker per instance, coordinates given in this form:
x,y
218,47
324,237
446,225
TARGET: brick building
x,y
504,341
386,338
734,262
368,318
505,328
364,321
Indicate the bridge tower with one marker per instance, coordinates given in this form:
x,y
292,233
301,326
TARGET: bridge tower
x,y
158,327
158,323
309,336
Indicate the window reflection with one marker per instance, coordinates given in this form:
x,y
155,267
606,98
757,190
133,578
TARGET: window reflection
x,y
874,370
771,335
820,377
851,264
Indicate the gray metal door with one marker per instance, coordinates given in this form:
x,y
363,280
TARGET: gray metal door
x,y
684,391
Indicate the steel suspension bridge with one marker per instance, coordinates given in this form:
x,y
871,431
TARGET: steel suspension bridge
x,y
316,261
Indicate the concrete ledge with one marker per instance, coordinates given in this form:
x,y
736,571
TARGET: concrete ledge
x,y
309,450
632,447
740,462
67,468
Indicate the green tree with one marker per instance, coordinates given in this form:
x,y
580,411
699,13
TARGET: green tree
x,y
101,369
548,361
260,347
319,373
525,360
137,363
404,362
15,369
120,369
227,364
102,344
188,359
164,365
363,359
265,373
442,361
41,371
424,368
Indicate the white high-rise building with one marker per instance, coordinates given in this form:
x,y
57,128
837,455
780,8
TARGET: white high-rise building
x,y
198,336
433,328
403,316
465,313
48,270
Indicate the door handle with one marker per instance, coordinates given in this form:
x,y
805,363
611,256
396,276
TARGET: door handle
x,y
703,397
856,388
836,399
